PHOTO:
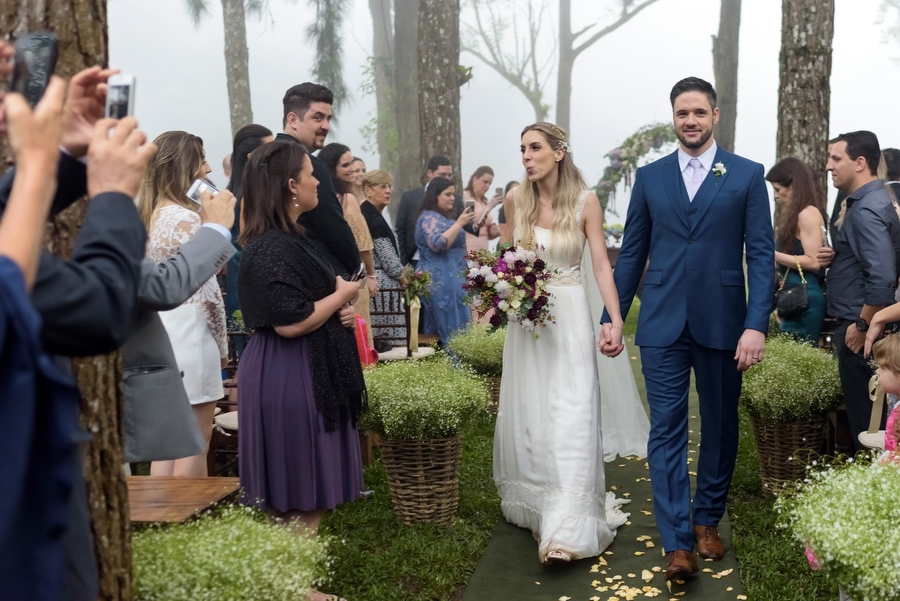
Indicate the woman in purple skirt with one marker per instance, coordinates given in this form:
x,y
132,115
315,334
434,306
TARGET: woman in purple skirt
x,y
300,385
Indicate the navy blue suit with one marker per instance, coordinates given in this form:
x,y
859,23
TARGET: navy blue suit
x,y
694,309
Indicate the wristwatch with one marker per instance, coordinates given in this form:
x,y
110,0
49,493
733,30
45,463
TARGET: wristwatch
x,y
861,324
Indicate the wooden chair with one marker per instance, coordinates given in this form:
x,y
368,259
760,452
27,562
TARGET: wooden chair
x,y
223,444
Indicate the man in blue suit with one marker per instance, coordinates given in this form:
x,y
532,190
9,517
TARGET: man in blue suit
x,y
694,213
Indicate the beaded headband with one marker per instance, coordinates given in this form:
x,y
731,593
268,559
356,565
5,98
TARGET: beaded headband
x,y
559,133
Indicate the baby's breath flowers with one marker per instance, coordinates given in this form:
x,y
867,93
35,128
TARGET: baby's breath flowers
x,y
480,348
794,382
422,399
849,519
232,555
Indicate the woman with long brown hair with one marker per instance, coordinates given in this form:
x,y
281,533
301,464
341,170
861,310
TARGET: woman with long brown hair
x,y
798,237
197,328
476,191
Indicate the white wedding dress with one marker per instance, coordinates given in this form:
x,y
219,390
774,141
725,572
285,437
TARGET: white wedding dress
x,y
548,448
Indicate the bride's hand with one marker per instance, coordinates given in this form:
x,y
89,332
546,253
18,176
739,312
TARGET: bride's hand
x,y
610,342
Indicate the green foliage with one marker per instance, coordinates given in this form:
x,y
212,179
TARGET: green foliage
x,y
235,555
325,36
422,399
848,517
794,382
480,347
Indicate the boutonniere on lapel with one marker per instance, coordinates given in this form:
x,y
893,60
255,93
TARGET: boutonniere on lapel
x,y
719,170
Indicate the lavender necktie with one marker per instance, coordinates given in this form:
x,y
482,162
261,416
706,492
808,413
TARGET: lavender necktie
x,y
696,177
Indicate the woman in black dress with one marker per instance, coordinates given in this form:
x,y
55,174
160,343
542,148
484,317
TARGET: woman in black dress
x,y
300,384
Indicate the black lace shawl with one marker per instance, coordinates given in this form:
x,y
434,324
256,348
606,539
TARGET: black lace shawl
x,y
378,226
282,276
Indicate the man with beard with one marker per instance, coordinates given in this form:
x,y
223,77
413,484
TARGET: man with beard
x,y
693,213
307,120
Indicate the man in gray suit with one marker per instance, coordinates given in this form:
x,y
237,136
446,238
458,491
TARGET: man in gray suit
x,y
159,423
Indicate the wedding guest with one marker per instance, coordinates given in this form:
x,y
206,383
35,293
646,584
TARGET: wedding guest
x,y
411,207
226,166
246,140
359,171
505,231
887,356
476,190
798,238
307,121
378,185
441,244
339,161
197,328
300,382
863,275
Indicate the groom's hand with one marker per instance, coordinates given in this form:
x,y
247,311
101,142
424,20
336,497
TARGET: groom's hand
x,y
750,349
610,342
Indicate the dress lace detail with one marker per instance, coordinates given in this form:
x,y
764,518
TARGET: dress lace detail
x,y
170,227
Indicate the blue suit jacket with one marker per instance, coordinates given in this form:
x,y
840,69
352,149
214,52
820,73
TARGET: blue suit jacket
x,y
696,251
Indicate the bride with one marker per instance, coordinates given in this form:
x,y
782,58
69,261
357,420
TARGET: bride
x,y
548,451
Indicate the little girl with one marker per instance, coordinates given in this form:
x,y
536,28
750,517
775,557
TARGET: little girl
x,y
887,355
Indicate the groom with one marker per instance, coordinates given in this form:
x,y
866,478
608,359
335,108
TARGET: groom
x,y
694,213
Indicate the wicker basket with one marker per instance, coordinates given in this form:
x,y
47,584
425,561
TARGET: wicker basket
x,y
494,385
786,449
423,476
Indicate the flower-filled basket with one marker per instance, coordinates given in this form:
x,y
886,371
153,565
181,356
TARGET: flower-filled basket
x,y
788,395
233,553
419,409
847,518
480,348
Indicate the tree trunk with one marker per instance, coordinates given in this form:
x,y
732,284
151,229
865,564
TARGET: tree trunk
x,y
566,63
81,28
725,66
804,96
410,167
237,69
383,66
438,50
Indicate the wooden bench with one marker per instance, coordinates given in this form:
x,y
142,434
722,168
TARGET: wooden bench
x,y
175,499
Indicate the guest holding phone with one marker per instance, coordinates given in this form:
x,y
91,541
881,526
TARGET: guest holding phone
x,y
197,328
475,192
442,250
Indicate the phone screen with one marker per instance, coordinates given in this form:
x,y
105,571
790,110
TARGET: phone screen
x,y
118,100
198,188
498,192
36,55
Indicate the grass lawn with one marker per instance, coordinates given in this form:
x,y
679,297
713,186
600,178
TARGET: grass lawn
x,y
376,557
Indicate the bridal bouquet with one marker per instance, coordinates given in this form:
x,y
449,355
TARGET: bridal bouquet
x,y
513,282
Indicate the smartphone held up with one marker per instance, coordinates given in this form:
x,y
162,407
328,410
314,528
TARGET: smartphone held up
x,y
198,188
120,96
36,54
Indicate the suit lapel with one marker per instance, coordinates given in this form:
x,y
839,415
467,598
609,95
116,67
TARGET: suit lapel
x,y
710,187
674,187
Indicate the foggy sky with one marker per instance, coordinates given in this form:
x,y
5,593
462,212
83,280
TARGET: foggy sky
x,y
619,84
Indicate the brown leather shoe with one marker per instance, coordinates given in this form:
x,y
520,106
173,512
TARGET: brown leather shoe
x,y
709,545
680,565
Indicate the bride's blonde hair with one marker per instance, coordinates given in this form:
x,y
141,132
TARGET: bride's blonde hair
x,y
565,227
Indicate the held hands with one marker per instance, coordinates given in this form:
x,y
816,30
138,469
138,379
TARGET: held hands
x,y
218,209
610,341
118,157
750,349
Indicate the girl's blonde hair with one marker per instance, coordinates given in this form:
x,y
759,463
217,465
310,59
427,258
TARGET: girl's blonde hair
x,y
564,227
178,160
887,353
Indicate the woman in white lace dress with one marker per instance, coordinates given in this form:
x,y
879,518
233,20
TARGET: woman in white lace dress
x,y
548,450
196,328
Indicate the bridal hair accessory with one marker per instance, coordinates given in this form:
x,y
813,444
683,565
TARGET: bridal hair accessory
x,y
559,133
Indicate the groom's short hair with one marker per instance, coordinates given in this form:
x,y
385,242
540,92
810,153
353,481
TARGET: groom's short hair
x,y
694,84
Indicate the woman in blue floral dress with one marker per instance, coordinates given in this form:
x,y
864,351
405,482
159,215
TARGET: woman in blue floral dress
x,y
442,250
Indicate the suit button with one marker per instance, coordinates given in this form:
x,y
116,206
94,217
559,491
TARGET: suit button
x,y
692,212
690,240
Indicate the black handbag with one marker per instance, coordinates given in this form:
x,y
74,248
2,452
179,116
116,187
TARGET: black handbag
x,y
791,301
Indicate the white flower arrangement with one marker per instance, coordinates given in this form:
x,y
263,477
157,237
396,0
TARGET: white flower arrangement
x,y
422,399
233,554
848,519
480,348
719,170
794,382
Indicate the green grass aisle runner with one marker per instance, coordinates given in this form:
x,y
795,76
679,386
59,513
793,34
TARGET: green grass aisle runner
x,y
630,569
